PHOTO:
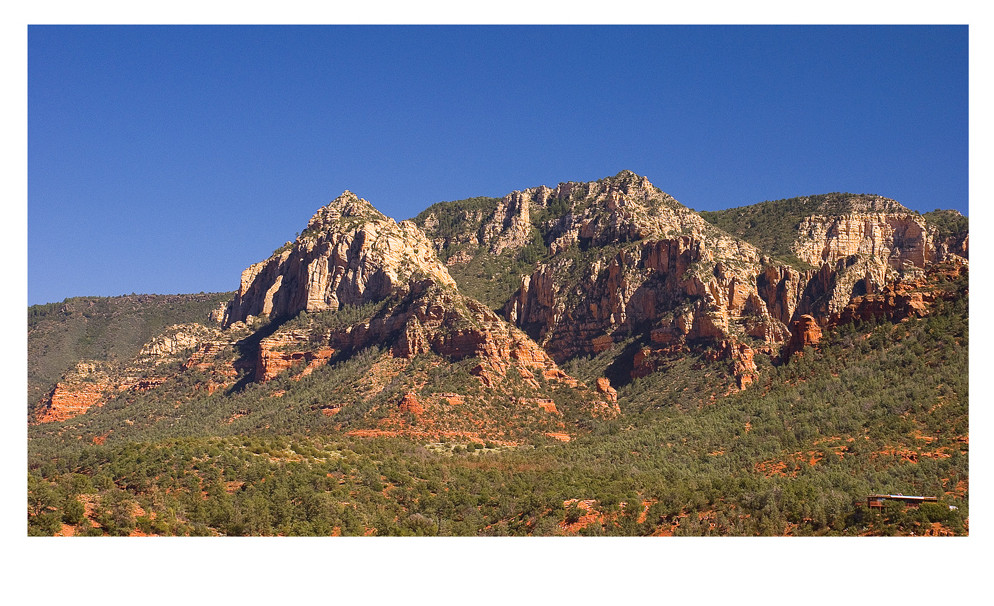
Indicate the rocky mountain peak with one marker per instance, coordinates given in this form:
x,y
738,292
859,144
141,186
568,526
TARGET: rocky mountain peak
x,y
346,207
623,208
628,182
349,254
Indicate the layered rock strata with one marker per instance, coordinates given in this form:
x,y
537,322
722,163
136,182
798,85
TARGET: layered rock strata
x,y
286,350
68,400
905,298
92,383
674,288
621,259
803,332
627,258
870,250
435,319
349,254
176,341
683,280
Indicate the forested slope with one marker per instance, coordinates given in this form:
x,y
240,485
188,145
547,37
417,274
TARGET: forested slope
x,y
874,408
594,358
102,328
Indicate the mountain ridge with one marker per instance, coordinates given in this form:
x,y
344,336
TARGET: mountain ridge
x,y
631,368
618,248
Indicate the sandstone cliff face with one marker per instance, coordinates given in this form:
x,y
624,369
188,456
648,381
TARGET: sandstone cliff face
x,y
71,399
675,287
623,208
900,298
626,258
829,288
665,270
869,242
621,259
349,254
352,255
508,388
627,208
288,349
958,245
892,238
743,365
493,225
429,319
905,298
92,383
782,287
458,327
510,226
176,340
803,332
883,244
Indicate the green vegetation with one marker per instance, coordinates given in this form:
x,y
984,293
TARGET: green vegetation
x,y
321,323
490,279
772,225
282,249
102,328
875,408
493,279
456,216
948,222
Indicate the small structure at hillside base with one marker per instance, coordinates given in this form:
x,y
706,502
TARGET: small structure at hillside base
x,y
876,501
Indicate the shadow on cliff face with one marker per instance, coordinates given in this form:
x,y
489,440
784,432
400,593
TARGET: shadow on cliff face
x,y
619,371
394,306
248,352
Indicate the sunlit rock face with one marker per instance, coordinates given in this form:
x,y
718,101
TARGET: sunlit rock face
x,y
349,254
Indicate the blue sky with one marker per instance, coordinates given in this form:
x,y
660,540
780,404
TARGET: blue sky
x,y
168,159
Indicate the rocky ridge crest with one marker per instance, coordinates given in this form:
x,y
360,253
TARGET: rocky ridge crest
x,y
349,254
621,260
357,281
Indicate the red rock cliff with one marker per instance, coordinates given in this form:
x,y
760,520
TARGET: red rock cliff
x,y
349,254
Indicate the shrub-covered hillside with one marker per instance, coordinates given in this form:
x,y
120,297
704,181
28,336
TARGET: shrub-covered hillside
x,y
102,328
874,408
772,225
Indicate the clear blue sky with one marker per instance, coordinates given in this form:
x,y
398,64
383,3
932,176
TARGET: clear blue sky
x,y
168,159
